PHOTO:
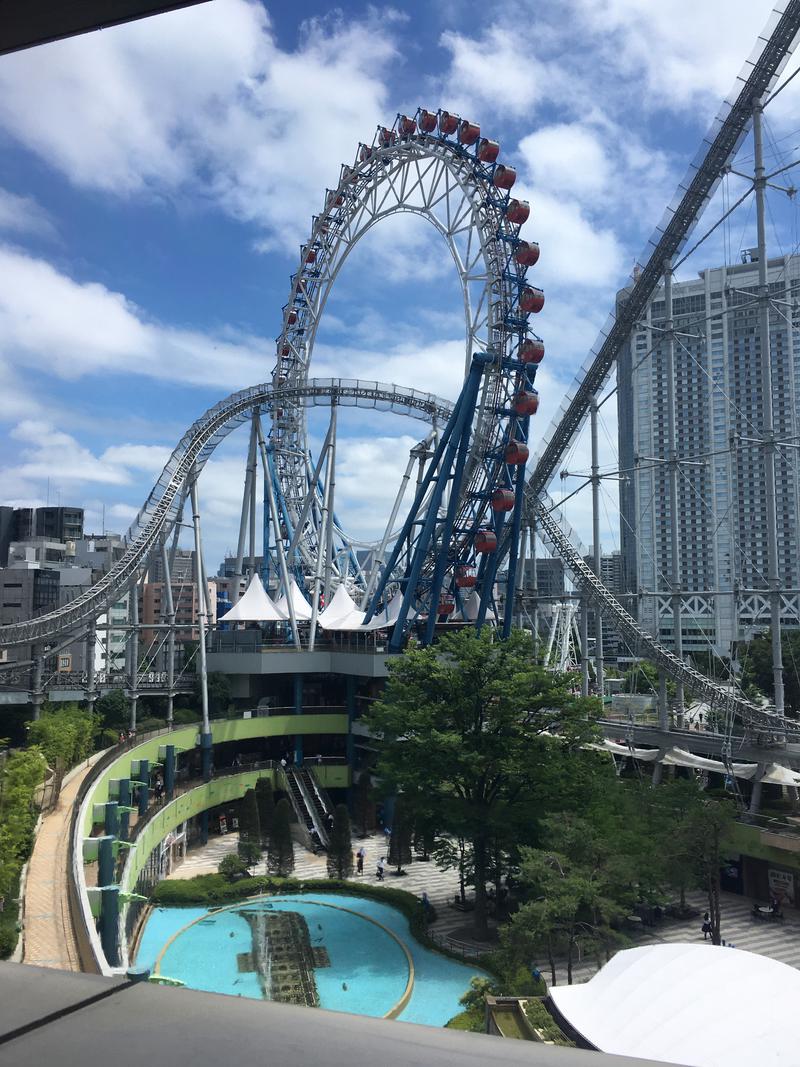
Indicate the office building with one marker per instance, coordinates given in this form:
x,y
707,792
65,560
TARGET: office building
x,y
721,493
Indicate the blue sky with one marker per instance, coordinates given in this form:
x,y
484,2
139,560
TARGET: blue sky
x,y
157,179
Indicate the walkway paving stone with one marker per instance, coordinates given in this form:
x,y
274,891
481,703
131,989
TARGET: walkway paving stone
x,y
48,939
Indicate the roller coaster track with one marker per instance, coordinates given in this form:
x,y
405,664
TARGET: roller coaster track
x,y
642,642
160,511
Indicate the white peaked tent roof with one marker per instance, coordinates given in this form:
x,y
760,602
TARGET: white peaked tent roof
x,y
471,605
254,605
388,617
341,613
302,608
676,1004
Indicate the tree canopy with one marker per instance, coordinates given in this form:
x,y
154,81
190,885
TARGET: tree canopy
x,y
340,846
465,727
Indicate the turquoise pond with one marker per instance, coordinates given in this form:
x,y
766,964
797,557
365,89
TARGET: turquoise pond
x,y
357,965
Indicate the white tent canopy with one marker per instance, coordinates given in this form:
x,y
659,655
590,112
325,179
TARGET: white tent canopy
x,y
775,774
388,617
254,605
302,608
679,757
341,613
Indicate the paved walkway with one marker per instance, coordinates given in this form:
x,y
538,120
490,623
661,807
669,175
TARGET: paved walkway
x,y
779,941
48,938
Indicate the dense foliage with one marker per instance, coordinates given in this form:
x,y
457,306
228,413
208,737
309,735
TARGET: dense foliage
x,y
20,775
65,734
280,849
340,845
463,733
265,799
249,829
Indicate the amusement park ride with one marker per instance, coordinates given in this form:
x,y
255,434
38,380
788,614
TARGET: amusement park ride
x,y
477,499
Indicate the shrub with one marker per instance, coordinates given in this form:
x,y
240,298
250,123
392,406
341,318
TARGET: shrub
x,y
249,829
280,852
265,799
471,1021
233,868
184,716
542,1020
8,940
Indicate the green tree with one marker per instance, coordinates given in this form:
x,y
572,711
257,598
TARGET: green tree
x,y
280,854
20,776
578,885
340,846
219,694
462,723
756,660
233,867
266,808
706,827
112,710
65,734
249,829
401,835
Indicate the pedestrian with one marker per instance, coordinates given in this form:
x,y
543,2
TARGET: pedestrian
x,y
319,760
381,866
121,739
283,762
706,927
360,857
426,907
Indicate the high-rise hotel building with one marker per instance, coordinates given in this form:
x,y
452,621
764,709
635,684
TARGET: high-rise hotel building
x,y
721,491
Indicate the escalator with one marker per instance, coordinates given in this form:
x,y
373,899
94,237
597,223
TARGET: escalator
x,y
304,800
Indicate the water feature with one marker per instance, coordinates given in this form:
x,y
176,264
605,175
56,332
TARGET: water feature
x,y
342,953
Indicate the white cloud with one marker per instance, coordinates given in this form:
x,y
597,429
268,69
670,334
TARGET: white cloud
x,y
205,101
48,453
71,329
22,214
570,158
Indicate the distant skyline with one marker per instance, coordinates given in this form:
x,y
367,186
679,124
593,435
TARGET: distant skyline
x,y
158,178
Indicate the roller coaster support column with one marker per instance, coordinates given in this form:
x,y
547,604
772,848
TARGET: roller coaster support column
x,y
326,524
598,615
91,646
411,520
443,462
379,555
133,654
169,772
584,646
253,506
663,710
169,613
37,695
516,528
205,734
269,488
767,431
672,476
330,489
249,479
310,499
534,586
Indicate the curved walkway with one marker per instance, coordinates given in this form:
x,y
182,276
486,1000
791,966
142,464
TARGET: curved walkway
x,y
48,940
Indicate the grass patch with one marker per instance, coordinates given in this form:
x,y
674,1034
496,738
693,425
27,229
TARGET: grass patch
x,y
471,1021
542,1020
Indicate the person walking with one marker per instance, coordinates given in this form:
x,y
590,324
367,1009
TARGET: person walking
x,y
361,855
706,927
381,867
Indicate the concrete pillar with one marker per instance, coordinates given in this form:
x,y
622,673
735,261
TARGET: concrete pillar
x,y
350,683
143,792
111,821
105,860
109,923
124,802
658,771
169,772
206,752
755,796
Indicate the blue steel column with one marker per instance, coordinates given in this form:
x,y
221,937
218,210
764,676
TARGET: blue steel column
x,y
169,772
144,787
453,434
516,527
109,923
105,860
111,820
124,802
298,710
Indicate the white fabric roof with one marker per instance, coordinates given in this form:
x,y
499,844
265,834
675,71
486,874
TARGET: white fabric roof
x,y
679,757
778,775
254,605
302,608
699,1005
625,750
388,616
341,613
